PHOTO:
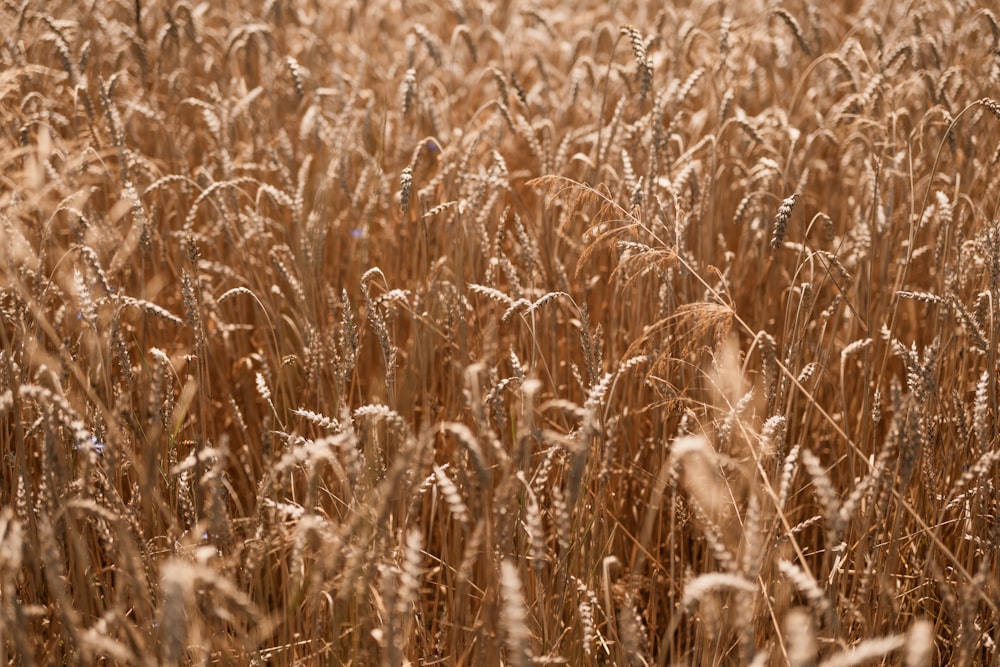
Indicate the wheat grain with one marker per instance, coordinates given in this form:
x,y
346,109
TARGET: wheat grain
x,y
801,638
699,587
514,617
781,219
991,105
919,648
865,651
805,584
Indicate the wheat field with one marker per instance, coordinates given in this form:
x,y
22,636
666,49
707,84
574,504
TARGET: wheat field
x,y
519,332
